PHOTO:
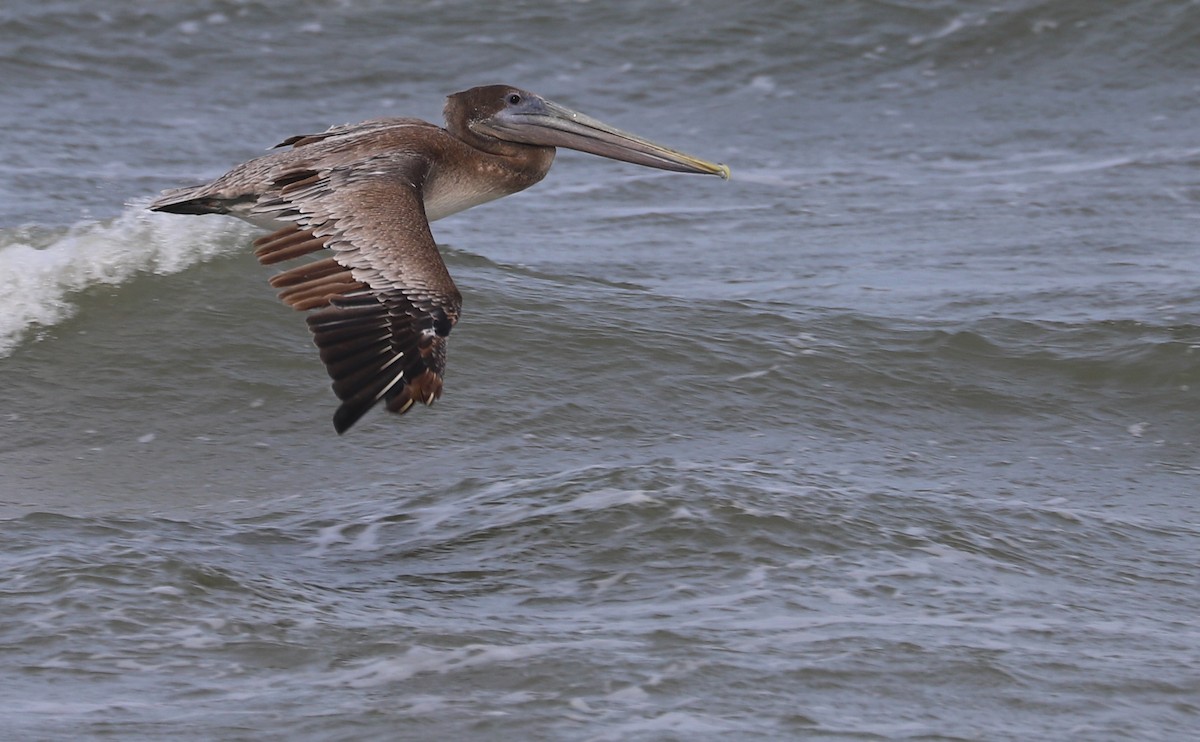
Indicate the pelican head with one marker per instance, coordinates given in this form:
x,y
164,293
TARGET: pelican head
x,y
513,115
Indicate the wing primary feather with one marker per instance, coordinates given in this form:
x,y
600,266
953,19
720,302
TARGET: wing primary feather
x,y
366,357
336,351
353,408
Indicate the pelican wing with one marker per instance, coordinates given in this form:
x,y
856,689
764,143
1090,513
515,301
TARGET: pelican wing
x,y
384,302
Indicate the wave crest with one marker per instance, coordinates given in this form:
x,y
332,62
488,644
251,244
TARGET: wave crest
x,y
41,269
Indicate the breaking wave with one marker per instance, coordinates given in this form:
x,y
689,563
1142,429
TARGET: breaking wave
x,y
41,269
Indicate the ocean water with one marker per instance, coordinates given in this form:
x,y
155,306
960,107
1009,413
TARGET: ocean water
x,y
894,436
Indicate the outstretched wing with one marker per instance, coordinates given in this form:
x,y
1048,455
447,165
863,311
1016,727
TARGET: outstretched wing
x,y
384,301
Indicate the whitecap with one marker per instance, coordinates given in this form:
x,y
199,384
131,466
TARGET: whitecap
x,y
39,271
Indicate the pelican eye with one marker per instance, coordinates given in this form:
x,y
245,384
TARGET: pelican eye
x,y
513,99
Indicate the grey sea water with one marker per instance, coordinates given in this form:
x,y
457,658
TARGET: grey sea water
x,y
892,436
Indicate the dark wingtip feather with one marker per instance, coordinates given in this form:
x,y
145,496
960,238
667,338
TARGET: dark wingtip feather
x,y
342,421
188,200
350,412
194,206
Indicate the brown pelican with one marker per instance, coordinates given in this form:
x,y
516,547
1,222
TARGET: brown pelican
x,y
367,192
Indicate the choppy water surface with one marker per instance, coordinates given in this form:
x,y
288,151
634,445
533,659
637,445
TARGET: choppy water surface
x,y
893,436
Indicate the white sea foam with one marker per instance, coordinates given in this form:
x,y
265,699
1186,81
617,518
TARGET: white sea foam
x,y
40,271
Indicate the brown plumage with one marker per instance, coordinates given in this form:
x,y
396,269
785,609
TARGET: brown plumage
x,y
383,302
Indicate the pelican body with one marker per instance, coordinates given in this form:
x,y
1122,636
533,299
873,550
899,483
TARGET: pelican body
x,y
383,302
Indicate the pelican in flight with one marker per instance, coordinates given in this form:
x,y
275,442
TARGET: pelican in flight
x,y
383,300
